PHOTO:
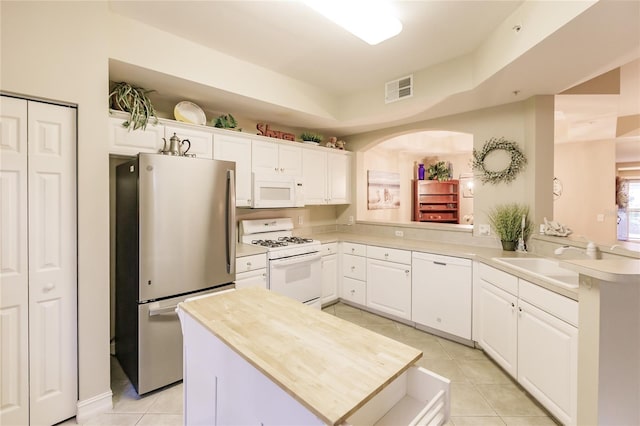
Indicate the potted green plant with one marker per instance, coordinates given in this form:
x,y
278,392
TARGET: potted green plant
x,y
438,171
225,122
311,137
134,100
507,222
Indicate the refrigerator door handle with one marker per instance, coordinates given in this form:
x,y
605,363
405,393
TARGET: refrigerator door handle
x,y
231,222
163,310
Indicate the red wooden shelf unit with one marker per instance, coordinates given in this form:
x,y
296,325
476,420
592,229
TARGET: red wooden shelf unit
x,y
435,201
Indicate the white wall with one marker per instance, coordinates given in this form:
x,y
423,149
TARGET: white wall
x,y
58,50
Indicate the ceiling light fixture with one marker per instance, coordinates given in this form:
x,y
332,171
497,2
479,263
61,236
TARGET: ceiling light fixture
x,y
371,20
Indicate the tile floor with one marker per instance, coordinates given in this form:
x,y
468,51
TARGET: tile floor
x,y
481,393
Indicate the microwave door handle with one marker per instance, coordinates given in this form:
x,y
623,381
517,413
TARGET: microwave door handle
x,y
231,222
296,260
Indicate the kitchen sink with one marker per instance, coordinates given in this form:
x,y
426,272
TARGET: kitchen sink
x,y
544,268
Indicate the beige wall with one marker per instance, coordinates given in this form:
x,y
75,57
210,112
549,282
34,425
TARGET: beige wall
x,y
529,123
58,50
406,165
587,172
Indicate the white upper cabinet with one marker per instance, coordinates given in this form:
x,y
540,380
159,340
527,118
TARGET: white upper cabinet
x,y
273,157
339,178
326,176
201,141
130,142
237,149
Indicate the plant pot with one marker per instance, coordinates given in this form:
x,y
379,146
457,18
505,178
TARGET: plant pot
x,y
509,245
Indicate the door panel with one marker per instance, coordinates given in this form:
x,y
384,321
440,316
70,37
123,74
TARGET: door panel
x,y
52,269
14,277
544,340
498,326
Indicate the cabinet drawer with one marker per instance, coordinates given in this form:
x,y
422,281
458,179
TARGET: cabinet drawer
x,y
559,306
503,280
392,255
354,290
329,248
354,267
355,249
417,396
255,278
437,215
250,263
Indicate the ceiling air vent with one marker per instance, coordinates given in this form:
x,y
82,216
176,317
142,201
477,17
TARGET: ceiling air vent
x,y
398,89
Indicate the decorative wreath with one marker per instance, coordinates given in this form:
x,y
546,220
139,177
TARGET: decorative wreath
x,y
518,161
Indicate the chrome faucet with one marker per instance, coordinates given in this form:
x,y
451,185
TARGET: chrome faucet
x,y
591,252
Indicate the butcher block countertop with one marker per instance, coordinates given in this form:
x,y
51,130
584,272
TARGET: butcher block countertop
x,y
329,365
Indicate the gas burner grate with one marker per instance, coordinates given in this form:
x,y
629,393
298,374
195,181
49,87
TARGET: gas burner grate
x,y
295,240
269,243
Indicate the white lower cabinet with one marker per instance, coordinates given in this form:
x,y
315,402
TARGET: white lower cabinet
x,y
329,272
353,286
251,271
498,325
533,335
441,293
548,353
389,282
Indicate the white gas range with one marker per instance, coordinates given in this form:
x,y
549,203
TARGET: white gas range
x,y
294,268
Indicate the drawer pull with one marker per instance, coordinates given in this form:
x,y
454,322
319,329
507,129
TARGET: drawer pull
x,y
353,268
248,264
353,292
439,263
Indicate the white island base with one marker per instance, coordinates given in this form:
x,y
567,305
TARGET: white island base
x,y
230,380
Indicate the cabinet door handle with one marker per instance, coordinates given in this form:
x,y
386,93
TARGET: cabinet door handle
x,y
439,263
248,264
513,305
353,292
353,268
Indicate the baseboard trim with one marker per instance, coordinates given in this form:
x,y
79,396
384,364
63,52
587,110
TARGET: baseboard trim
x,y
94,406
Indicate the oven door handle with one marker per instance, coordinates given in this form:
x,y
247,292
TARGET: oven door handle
x,y
296,260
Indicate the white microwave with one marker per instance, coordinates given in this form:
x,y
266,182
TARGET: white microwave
x,y
276,191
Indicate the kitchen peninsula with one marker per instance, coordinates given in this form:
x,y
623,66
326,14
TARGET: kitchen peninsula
x,y
256,357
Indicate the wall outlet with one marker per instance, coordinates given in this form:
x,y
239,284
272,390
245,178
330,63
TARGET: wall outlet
x,y
399,234
600,217
350,220
484,229
300,221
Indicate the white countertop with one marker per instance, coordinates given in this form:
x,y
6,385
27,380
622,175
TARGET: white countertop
x,y
611,270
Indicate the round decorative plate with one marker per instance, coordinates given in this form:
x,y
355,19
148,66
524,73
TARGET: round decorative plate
x,y
188,112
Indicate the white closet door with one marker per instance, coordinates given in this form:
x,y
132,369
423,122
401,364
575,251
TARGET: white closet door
x,y
52,263
14,275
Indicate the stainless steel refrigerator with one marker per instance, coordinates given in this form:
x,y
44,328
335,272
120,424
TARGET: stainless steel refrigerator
x,y
175,238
